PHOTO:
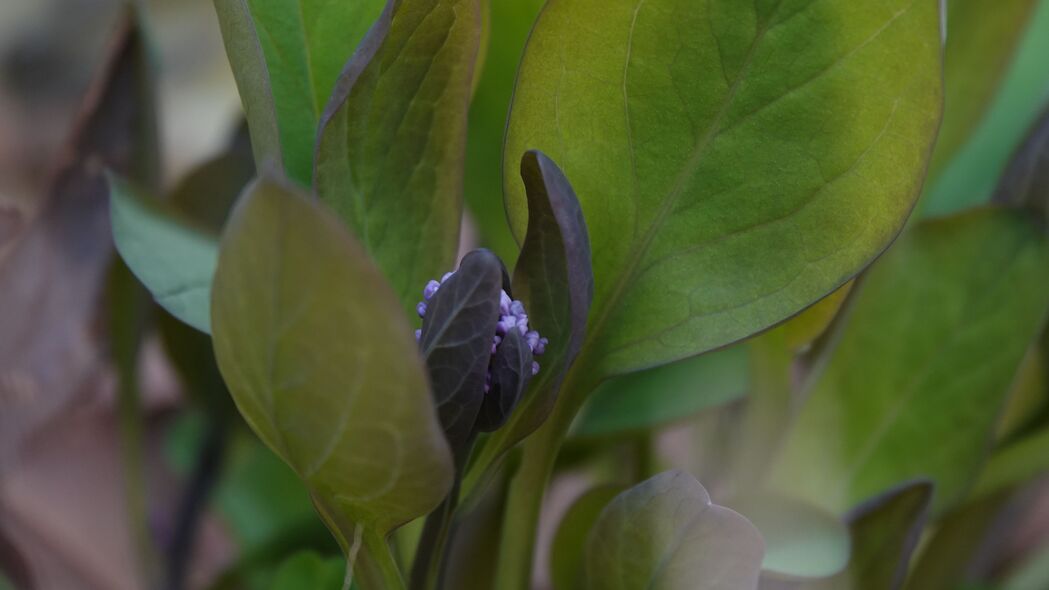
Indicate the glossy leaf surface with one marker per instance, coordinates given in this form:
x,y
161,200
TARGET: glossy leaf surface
x,y
322,364
665,533
390,152
911,388
737,141
286,56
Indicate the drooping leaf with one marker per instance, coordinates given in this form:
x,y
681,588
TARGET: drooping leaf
x,y
511,372
457,344
510,23
172,245
1028,398
656,397
390,154
309,570
736,145
981,40
970,177
53,270
801,540
1025,182
286,56
554,279
567,552
169,253
665,533
911,388
322,364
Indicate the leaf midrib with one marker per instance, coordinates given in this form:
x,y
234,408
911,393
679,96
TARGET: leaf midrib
x,y
631,269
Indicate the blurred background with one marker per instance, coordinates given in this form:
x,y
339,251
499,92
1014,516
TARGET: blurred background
x,y
67,503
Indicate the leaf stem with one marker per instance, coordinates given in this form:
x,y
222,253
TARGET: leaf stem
x,y
768,409
376,568
528,485
128,309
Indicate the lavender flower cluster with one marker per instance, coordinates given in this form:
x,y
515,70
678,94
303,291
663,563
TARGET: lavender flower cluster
x,y
511,316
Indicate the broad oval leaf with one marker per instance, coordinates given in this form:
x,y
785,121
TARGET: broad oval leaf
x,y
666,534
321,362
392,139
171,255
656,397
286,56
724,153
456,342
801,540
911,388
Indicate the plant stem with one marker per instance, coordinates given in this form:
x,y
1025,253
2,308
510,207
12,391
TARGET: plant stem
x,y
528,485
768,409
376,569
194,500
426,568
127,314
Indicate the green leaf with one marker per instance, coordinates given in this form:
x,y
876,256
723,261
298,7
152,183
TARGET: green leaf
x,y
309,570
554,280
656,397
970,177
885,533
911,388
1014,464
322,364
981,40
286,56
723,153
171,255
801,540
567,556
392,139
456,342
510,23
665,533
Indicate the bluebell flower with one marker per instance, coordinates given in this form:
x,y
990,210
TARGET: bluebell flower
x,y
512,316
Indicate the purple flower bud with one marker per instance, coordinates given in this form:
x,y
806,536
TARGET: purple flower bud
x,y
540,346
535,368
430,289
517,308
504,303
421,309
418,335
447,276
